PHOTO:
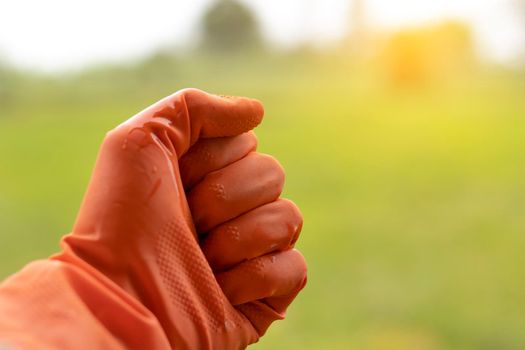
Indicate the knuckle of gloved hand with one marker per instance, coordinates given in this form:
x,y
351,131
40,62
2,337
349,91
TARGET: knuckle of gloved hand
x,y
273,168
115,133
251,139
116,137
294,220
299,263
127,137
191,92
193,97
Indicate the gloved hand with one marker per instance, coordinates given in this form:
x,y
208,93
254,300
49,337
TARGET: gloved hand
x,y
181,172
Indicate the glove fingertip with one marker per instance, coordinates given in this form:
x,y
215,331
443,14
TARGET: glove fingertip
x,y
237,115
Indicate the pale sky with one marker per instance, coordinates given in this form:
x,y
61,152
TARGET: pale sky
x,y
55,35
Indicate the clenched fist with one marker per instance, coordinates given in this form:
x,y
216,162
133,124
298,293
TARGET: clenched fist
x,y
181,241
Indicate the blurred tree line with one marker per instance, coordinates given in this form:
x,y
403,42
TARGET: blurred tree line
x,y
230,26
231,41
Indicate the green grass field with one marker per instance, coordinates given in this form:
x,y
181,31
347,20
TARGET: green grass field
x,y
414,198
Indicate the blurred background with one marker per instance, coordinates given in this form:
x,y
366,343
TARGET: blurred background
x,y
400,123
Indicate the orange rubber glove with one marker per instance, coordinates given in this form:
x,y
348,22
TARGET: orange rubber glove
x,y
142,271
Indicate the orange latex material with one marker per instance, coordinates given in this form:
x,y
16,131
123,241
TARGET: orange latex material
x,y
181,241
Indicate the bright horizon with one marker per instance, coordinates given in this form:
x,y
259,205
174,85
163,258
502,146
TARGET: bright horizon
x,y
59,34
